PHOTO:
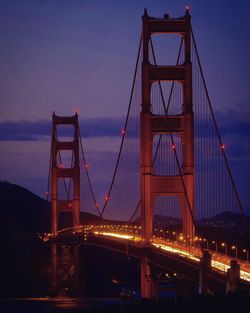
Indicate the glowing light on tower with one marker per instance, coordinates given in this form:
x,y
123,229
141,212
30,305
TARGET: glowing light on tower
x,y
76,110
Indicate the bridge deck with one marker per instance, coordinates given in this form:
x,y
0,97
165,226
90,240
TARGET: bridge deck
x,y
170,255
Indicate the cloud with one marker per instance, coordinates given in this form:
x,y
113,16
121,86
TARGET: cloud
x,y
24,130
232,123
101,127
41,129
235,121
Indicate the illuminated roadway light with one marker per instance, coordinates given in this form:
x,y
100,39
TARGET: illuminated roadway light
x,y
176,250
114,235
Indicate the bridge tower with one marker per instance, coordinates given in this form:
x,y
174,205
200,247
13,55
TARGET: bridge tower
x,y
183,125
59,171
64,258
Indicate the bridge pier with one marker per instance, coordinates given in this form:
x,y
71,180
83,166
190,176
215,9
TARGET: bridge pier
x,y
233,277
205,266
65,276
54,265
147,283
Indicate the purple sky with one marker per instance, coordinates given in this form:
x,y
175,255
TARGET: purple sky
x,y
58,54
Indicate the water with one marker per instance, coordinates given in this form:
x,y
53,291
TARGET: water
x,y
110,283
47,305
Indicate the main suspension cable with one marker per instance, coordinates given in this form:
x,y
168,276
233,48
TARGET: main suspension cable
x,y
87,173
124,131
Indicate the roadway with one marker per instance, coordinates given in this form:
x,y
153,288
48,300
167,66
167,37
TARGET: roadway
x,y
169,254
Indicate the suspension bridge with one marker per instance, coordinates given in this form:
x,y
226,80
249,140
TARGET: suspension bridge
x,y
172,191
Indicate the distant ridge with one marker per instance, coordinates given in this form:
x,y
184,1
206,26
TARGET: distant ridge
x,y
19,205
228,220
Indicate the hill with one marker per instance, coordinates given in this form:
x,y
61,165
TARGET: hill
x,y
25,261
32,213
21,208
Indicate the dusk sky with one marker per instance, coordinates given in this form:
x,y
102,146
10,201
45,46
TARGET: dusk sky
x,y
58,55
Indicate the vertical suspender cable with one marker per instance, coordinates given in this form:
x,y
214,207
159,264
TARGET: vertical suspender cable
x,y
173,144
160,137
64,180
219,138
48,183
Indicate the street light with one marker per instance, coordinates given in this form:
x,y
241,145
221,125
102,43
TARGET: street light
x,y
216,245
161,233
175,235
223,244
181,238
247,253
205,240
236,251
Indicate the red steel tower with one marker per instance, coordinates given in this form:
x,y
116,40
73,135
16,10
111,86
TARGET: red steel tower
x,y
69,204
181,185
59,171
